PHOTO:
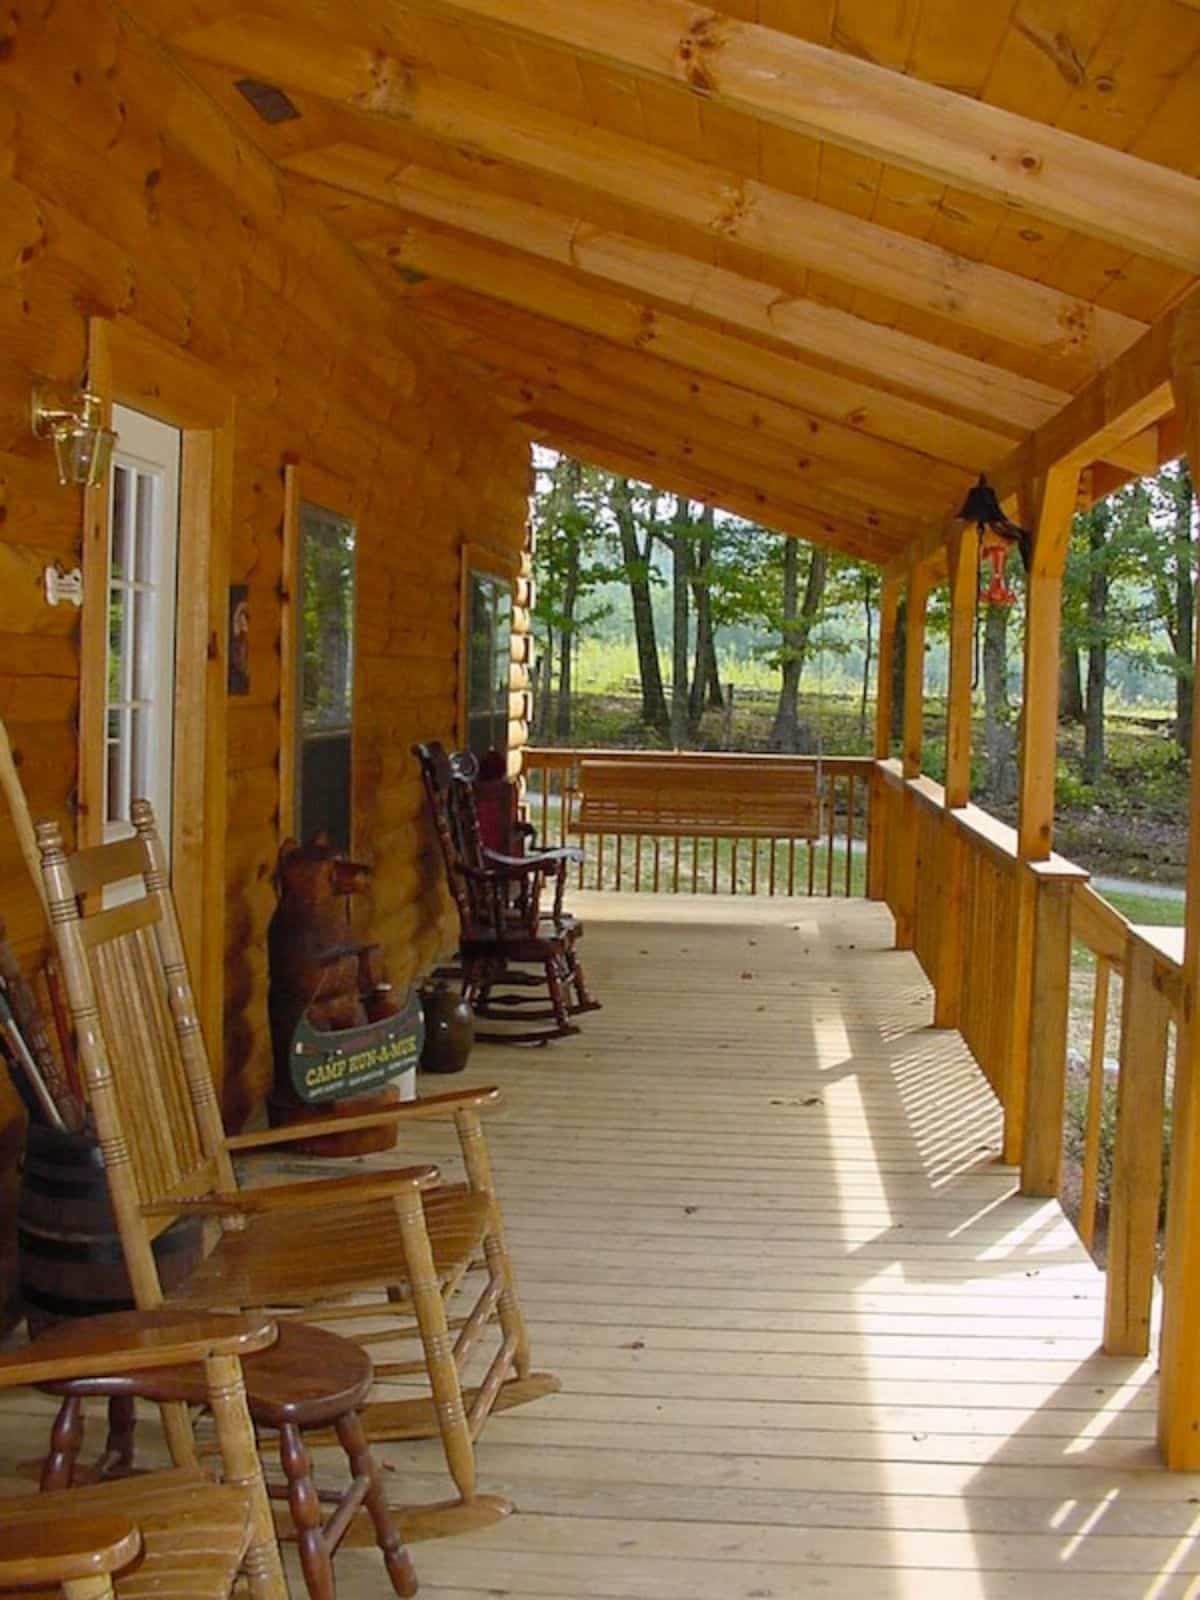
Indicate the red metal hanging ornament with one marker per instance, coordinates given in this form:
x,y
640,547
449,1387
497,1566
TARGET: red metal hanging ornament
x,y
997,592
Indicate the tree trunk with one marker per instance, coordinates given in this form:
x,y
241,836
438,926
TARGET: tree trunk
x,y
1097,602
566,651
1070,686
706,680
899,655
796,631
869,617
636,558
998,742
681,547
1185,601
545,686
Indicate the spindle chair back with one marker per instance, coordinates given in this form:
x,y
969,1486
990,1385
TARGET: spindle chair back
x,y
394,1243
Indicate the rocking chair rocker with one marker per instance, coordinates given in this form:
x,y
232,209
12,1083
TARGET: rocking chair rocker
x,y
508,946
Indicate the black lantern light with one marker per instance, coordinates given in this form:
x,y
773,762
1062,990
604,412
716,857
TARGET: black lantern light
x,y
983,509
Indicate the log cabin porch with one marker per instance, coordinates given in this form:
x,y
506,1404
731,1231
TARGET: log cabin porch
x,y
812,1338
354,260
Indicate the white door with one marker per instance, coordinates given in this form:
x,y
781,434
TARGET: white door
x,y
143,557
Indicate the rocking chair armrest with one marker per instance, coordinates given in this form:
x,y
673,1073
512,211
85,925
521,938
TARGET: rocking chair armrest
x,y
129,1341
542,861
265,1138
310,1194
45,1544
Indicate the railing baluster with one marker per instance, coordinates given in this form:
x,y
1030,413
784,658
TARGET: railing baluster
x,y
754,845
620,842
832,786
1095,1106
657,859
637,862
716,864
812,867
771,868
850,834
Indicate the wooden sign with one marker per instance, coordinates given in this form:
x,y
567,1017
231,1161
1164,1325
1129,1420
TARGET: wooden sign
x,y
353,1061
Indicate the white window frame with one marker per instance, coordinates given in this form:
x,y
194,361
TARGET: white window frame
x,y
148,455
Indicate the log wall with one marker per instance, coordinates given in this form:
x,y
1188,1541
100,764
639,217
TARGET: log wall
x,y
124,193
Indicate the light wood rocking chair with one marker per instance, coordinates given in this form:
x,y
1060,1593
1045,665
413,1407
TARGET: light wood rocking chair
x,y
391,1244
164,1533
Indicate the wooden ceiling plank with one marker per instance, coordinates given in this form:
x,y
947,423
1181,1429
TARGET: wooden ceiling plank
x,y
693,481
685,444
1004,400
870,109
530,346
784,226
789,473
634,322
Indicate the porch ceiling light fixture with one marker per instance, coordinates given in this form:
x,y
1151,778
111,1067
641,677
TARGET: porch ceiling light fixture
x,y
83,446
983,509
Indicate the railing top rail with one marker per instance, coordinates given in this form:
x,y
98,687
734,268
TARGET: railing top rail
x,y
558,757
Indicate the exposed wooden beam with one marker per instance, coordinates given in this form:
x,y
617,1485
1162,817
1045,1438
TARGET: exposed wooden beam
x,y
1148,209
1127,398
379,93
943,377
824,493
522,383
694,480
1179,1388
623,319
520,345
1138,455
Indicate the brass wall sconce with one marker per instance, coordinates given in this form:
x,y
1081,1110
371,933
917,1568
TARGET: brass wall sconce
x,y
83,446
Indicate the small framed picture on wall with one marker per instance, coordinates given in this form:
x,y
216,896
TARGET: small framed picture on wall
x,y
239,638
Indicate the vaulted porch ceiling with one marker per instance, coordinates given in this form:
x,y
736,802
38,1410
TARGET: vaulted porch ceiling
x,y
818,263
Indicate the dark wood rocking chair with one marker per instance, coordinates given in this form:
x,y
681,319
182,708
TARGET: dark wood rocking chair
x,y
394,1244
514,956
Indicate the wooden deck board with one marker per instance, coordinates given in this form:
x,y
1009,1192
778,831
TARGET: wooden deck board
x,y
812,1341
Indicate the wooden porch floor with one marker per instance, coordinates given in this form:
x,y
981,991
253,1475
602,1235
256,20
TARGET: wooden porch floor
x,y
811,1340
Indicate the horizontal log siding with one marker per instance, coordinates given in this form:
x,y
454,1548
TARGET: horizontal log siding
x,y
123,192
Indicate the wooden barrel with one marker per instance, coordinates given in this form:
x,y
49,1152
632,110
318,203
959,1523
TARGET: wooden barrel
x,y
71,1261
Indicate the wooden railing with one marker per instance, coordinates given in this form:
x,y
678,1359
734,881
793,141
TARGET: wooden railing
x,y
1145,962
994,934
835,863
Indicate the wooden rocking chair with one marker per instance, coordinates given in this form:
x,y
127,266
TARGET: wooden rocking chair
x,y
175,1532
509,947
398,1241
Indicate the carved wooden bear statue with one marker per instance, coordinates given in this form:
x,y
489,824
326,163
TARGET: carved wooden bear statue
x,y
320,972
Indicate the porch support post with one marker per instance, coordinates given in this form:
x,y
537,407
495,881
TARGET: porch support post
x,y
964,587
889,604
1179,1382
914,669
1049,1003
1040,994
880,799
905,907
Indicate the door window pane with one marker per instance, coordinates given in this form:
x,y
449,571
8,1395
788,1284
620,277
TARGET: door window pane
x,y
140,675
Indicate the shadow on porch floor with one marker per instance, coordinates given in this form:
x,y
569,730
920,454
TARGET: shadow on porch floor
x,y
811,1340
